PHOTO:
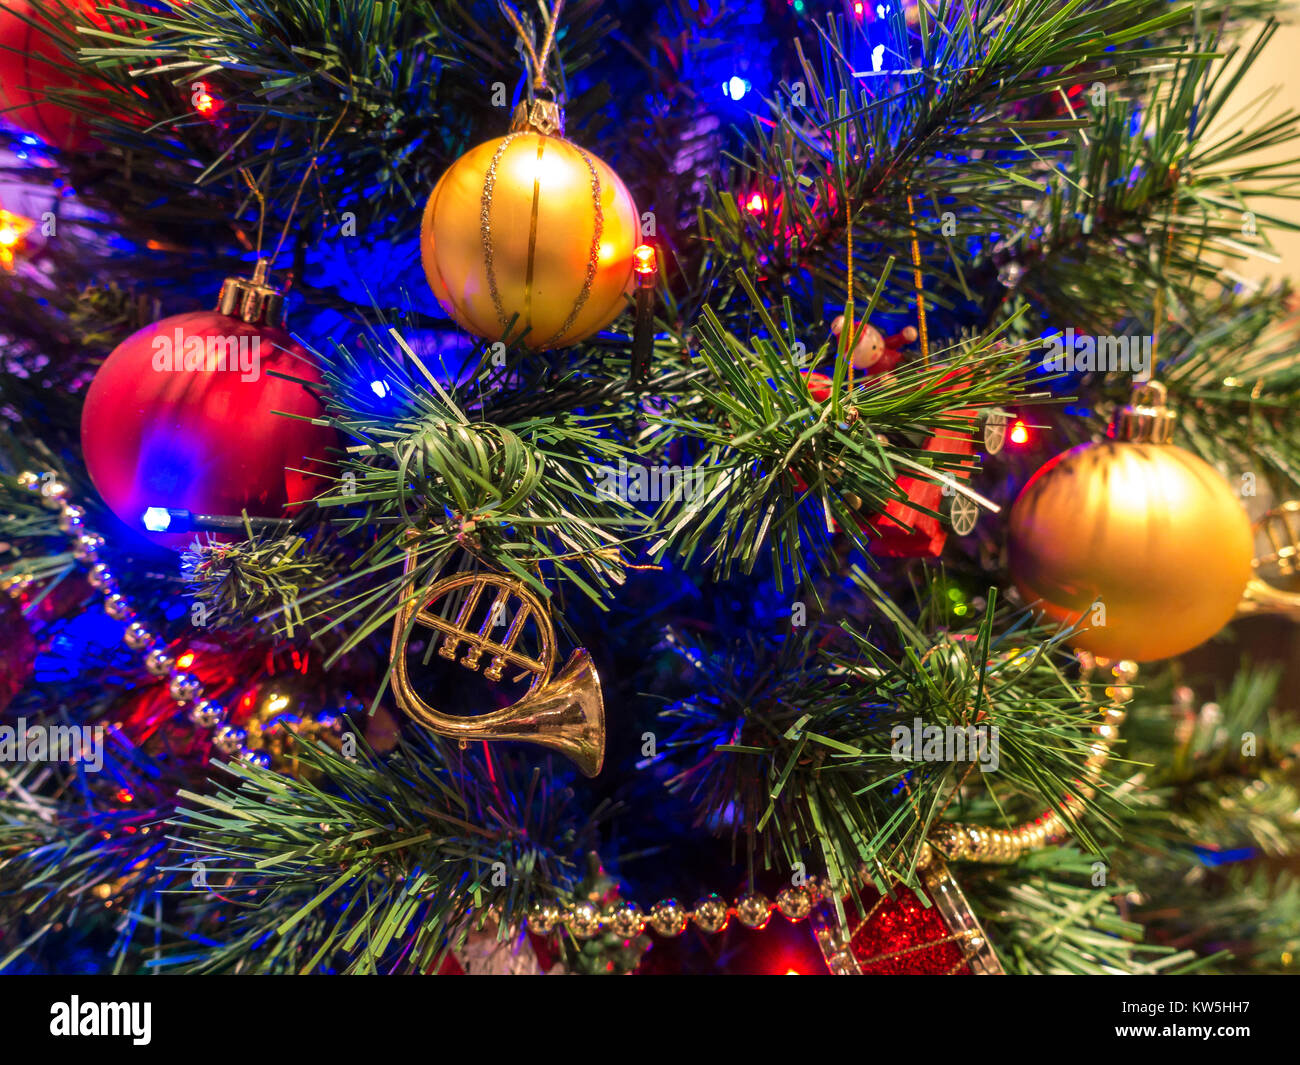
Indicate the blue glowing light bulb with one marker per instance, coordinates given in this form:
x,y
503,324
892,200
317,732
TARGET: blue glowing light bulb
x,y
157,519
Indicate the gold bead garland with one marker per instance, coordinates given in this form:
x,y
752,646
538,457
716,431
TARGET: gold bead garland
x,y
814,898
978,843
668,917
950,841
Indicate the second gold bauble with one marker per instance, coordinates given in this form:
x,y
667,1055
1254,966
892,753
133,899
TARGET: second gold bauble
x,y
531,228
1141,543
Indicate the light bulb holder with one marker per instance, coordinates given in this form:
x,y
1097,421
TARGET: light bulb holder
x,y
646,271
173,520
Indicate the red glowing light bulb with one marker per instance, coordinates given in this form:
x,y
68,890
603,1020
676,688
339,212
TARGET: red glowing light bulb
x,y
756,202
1019,432
645,259
185,661
202,100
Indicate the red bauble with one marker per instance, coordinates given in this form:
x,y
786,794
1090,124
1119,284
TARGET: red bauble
x,y
206,439
31,63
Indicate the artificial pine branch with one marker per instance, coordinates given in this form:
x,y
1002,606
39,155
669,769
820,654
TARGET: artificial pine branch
x,y
964,147
378,867
793,751
1055,914
775,462
500,463
1143,197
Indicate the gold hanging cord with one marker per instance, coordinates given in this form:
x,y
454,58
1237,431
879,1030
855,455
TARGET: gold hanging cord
x,y
538,59
920,287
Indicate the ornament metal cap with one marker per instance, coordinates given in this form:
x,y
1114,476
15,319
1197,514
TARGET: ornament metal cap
x,y
1145,419
538,116
252,300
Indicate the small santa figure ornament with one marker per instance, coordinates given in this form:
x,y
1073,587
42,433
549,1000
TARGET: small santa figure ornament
x,y
874,351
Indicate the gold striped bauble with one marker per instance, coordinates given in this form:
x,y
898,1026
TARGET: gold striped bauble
x,y
531,228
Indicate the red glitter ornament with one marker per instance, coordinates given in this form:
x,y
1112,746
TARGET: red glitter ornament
x,y
901,936
898,934
186,414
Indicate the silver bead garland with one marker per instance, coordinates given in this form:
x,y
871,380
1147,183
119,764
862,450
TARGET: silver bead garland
x,y
185,689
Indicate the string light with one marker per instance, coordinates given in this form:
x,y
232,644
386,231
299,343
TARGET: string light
x,y
175,520
13,230
958,598
645,259
1019,432
756,203
202,100
646,267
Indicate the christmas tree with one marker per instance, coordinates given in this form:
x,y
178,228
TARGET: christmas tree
x,y
616,486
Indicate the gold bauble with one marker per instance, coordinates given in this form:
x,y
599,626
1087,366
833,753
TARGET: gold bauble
x,y
530,224
1141,543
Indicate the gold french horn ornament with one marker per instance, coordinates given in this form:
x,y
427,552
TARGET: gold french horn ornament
x,y
564,712
1280,529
